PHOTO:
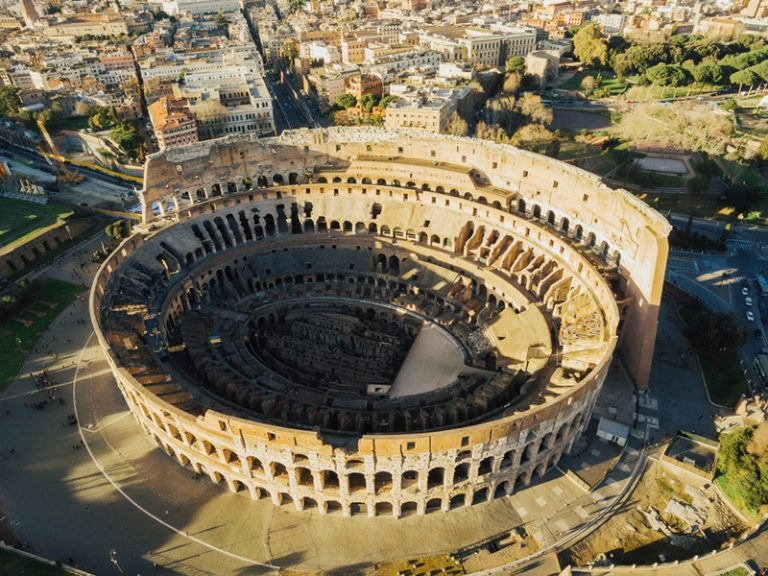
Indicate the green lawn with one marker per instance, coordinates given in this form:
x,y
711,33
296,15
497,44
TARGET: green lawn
x,y
644,93
19,219
76,123
39,316
654,179
608,82
722,372
12,564
735,497
738,571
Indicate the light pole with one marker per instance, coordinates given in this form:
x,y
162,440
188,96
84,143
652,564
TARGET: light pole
x,y
113,559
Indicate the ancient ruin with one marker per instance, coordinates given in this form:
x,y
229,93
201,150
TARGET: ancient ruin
x,y
374,323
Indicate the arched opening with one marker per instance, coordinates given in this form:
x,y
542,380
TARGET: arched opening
x,y
358,509
381,182
457,501
537,211
347,226
278,180
408,509
372,228
383,508
591,239
486,466
329,480
309,225
382,483
434,240
322,180
461,473
394,265
356,482
332,507
351,180
578,232
564,225
409,478
308,503
359,227
507,460
501,490
436,477
550,218
293,178
366,180
521,206
304,477
480,496
279,471
261,182
433,505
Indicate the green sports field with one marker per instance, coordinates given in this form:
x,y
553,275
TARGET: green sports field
x,y
19,219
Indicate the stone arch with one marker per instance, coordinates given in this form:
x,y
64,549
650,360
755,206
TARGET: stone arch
x,y
578,232
304,477
356,482
486,466
332,507
433,505
409,478
337,179
423,237
521,206
351,180
309,225
590,241
359,227
293,178
482,200
501,490
457,501
382,508
564,223
480,496
308,503
322,180
394,265
461,472
372,228
435,477
434,240
381,182
347,226
329,480
536,213
382,483
408,508
279,471
278,180
366,180
335,225
550,218
358,509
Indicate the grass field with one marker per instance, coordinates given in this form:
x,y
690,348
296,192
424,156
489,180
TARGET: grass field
x,y
736,498
609,82
16,339
644,93
19,219
722,372
75,123
18,566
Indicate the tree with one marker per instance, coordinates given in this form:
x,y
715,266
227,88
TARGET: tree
x,y
532,106
297,5
290,52
515,65
532,136
590,46
221,21
588,84
127,138
709,72
512,83
9,101
741,462
387,100
346,101
457,126
368,102
744,78
119,229
668,75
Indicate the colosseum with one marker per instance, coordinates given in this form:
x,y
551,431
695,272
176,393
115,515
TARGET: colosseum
x,y
375,323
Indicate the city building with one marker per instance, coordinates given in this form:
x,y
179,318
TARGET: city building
x,y
172,122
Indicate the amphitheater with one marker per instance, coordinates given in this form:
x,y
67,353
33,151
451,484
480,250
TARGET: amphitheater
x,y
374,323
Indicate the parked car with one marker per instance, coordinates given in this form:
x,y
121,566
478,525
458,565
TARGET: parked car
x,y
750,316
748,301
745,291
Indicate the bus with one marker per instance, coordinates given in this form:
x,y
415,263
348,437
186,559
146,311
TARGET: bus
x,y
761,367
762,284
